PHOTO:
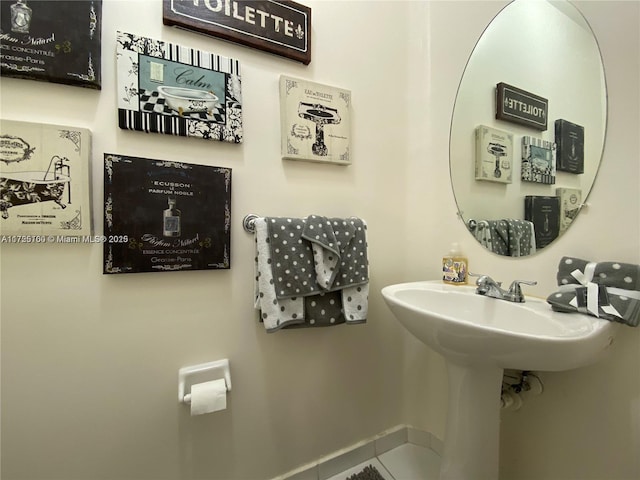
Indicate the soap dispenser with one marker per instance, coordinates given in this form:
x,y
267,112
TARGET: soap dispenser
x,y
455,267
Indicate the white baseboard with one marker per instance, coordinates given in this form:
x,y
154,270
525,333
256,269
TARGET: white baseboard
x,y
346,458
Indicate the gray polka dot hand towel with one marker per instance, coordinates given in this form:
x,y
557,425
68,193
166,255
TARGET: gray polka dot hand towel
x,y
609,290
311,272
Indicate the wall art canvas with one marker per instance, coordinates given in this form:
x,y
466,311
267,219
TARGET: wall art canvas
x,y
538,160
316,122
570,142
570,205
544,213
281,27
53,41
164,216
44,180
494,155
168,88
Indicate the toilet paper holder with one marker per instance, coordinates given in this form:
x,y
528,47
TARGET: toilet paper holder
x,y
204,372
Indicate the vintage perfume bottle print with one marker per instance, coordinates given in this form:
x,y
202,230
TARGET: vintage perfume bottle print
x,y
171,220
20,17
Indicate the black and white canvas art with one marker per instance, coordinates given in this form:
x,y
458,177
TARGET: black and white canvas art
x,y
44,180
165,216
538,160
168,88
315,122
494,155
52,41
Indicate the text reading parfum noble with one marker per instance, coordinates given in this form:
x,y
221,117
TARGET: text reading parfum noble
x,y
171,220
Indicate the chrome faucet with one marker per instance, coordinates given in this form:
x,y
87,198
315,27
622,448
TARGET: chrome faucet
x,y
487,286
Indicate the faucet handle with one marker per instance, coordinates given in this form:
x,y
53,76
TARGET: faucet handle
x,y
515,292
484,279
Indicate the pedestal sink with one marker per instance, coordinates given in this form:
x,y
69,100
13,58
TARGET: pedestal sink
x,y
479,338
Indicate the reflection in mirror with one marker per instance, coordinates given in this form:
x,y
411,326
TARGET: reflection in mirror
x,y
521,169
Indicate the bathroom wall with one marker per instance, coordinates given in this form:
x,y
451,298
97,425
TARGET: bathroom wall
x,y
89,362
586,425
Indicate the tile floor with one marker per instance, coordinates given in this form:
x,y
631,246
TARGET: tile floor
x,y
405,462
400,453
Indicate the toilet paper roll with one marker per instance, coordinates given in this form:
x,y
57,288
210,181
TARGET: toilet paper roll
x,y
208,397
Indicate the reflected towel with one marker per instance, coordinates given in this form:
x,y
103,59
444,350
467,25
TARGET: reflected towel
x,y
510,237
482,233
520,237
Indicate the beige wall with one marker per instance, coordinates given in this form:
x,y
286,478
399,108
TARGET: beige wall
x,y
586,425
89,362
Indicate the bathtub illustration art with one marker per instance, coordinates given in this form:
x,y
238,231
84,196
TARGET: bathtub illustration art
x,y
27,187
188,100
45,179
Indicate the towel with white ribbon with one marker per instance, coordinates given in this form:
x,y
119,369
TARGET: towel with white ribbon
x,y
609,290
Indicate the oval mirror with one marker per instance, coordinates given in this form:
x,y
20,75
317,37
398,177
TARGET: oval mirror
x,y
528,126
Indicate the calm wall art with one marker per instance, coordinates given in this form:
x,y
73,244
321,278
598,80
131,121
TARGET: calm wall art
x,y
168,88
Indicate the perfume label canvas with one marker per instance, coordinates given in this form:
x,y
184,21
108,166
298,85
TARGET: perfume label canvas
x,y
544,213
316,122
168,88
570,142
54,41
44,180
165,216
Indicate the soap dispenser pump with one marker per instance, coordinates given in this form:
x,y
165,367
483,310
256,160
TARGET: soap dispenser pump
x,y
455,267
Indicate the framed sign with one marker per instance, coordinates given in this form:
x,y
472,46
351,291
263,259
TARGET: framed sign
x,y
519,106
167,88
55,42
165,216
316,122
44,180
281,27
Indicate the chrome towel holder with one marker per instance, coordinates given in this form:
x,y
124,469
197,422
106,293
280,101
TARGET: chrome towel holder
x,y
248,222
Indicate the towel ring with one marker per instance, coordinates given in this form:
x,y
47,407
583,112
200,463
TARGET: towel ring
x,y
248,222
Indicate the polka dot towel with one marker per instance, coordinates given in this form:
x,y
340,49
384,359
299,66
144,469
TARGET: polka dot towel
x,y
621,282
287,289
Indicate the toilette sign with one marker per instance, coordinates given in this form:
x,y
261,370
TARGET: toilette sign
x,y
519,106
280,27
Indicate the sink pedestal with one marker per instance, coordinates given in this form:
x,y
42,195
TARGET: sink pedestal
x,y
479,337
471,442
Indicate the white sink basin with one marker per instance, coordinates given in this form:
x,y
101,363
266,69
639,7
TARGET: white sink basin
x,y
467,327
480,337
